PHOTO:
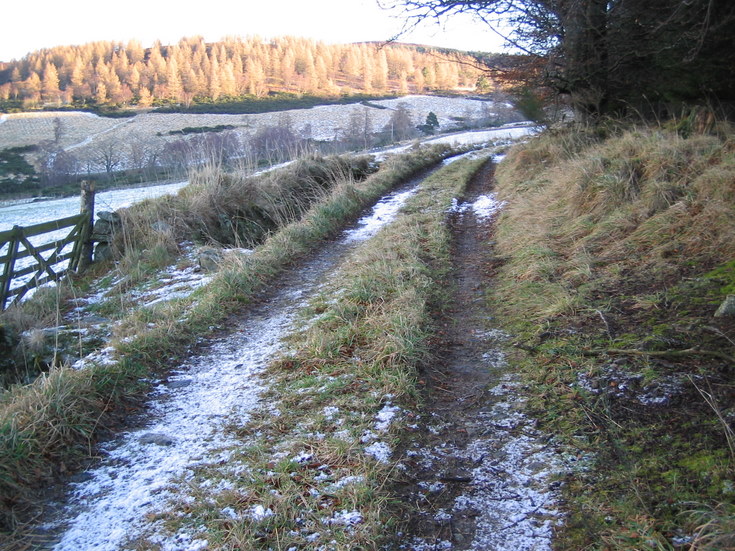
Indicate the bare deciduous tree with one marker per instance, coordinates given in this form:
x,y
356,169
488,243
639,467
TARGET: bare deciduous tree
x,y
400,125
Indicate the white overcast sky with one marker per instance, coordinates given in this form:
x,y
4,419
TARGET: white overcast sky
x,y
26,26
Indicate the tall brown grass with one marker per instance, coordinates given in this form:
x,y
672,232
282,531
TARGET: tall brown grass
x,y
614,247
231,208
646,199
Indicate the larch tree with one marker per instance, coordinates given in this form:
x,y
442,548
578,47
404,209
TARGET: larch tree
x,y
258,78
50,84
32,89
380,77
100,92
111,72
367,72
215,86
174,87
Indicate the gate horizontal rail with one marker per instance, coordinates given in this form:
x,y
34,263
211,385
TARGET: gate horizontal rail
x,y
20,247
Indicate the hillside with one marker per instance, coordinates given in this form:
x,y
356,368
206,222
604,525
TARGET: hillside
x,y
78,131
194,72
65,146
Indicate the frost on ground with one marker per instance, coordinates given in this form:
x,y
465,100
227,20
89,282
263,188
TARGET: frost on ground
x,y
484,207
90,331
508,500
83,133
502,135
175,282
141,472
28,213
618,383
383,211
187,413
511,490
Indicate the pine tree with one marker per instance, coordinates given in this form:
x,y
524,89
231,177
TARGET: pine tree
x,y
113,72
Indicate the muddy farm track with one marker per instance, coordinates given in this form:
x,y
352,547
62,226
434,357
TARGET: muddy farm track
x,y
476,473
184,423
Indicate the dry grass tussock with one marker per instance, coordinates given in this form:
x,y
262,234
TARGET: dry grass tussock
x,y
48,427
232,209
643,201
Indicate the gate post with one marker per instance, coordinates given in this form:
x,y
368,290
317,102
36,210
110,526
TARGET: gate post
x,y
7,279
87,207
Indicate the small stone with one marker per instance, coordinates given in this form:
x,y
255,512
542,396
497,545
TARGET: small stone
x,y
156,438
727,308
109,216
537,466
160,226
102,252
107,224
209,258
181,383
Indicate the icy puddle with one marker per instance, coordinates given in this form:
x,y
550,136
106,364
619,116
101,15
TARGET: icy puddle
x,y
189,410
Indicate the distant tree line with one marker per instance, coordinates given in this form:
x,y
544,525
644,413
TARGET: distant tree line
x,y
191,71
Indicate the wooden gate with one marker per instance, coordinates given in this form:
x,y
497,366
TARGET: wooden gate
x,y
42,268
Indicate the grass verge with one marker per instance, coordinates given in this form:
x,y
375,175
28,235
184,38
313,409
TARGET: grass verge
x,y
314,465
616,252
50,426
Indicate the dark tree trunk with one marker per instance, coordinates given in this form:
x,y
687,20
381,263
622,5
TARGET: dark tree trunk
x,y
585,78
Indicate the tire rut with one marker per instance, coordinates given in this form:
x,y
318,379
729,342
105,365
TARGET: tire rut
x,y
477,469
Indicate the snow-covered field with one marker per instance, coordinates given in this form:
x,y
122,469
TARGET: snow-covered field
x,y
85,133
35,212
30,213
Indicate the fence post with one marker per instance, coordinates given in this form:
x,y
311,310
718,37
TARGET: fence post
x,y
87,207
